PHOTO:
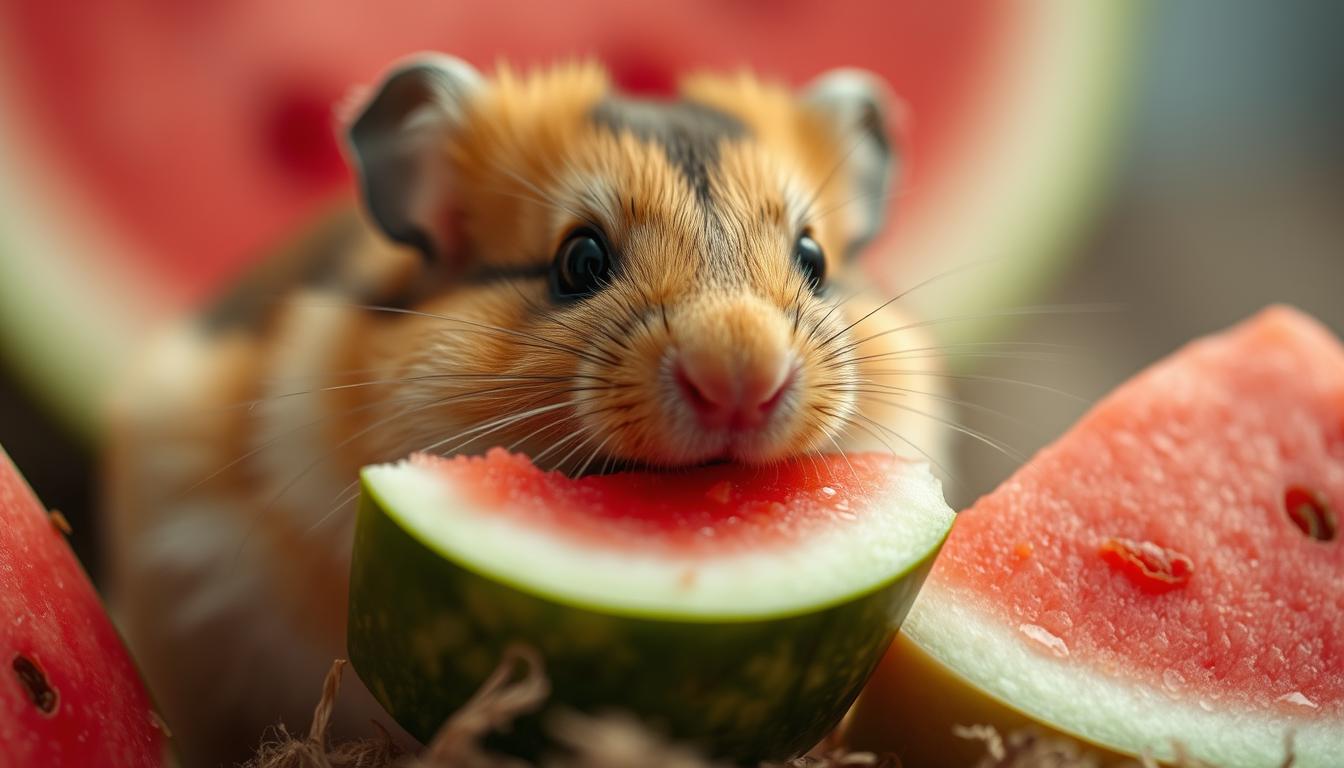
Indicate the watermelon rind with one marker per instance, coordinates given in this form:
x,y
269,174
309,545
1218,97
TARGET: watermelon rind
x,y
74,304
1018,685
760,669
1039,157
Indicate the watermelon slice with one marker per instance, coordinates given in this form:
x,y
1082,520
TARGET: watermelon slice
x,y
740,608
1169,572
111,203
69,693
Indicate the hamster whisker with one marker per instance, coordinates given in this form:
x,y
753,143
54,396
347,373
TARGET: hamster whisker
x,y
867,387
287,433
1004,448
830,435
250,404
943,275
1027,357
980,378
580,446
581,431
544,428
1010,351
834,305
291,431
346,495
553,317
422,405
557,422
811,455
576,434
608,464
379,423
494,425
854,419
1038,309
592,456
540,342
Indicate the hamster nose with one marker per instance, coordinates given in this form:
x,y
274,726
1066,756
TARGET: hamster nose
x,y
728,392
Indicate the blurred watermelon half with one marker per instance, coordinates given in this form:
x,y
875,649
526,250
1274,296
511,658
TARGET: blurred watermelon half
x,y
152,149
1168,575
69,692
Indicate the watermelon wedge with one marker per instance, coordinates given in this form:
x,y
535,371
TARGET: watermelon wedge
x,y
109,202
69,692
740,608
1170,572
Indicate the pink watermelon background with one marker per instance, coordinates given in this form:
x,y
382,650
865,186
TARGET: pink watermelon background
x,y
205,131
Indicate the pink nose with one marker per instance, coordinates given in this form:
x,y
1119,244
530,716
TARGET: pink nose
x,y
723,394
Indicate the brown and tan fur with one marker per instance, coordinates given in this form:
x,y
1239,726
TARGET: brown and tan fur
x,y
238,442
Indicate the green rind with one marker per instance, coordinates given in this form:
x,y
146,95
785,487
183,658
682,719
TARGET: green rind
x,y
425,632
1029,248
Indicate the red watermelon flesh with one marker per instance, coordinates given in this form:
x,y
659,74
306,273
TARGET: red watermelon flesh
x,y
1192,462
1171,570
719,540
69,692
718,508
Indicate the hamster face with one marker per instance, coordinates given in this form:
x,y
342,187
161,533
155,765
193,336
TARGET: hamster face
x,y
626,282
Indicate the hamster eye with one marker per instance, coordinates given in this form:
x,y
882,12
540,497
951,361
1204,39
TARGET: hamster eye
x,y
807,252
580,266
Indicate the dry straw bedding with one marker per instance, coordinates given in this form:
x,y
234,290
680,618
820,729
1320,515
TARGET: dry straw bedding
x,y
519,686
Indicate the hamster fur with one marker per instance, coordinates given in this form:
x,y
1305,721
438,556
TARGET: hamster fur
x,y
541,263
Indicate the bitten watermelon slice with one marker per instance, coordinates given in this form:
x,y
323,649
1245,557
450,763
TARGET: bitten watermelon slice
x,y
740,608
1169,572
69,693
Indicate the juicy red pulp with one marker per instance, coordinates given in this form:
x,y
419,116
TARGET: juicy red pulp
x,y
1181,534
705,509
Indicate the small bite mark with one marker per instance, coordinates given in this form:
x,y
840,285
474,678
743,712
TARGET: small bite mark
x,y
1152,567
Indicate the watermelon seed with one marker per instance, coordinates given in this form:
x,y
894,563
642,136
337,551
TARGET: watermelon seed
x,y
1311,513
34,681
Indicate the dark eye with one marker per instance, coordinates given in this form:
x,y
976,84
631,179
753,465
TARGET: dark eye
x,y
581,265
807,252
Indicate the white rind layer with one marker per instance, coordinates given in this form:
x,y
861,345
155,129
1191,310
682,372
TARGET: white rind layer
x,y
1025,674
905,522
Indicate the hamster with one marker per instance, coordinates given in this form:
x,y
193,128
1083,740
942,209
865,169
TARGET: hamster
x,y
538,262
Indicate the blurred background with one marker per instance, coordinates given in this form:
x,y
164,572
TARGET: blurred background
x,y
1164,168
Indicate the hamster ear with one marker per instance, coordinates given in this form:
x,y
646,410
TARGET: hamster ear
x,y
397,141
858,104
